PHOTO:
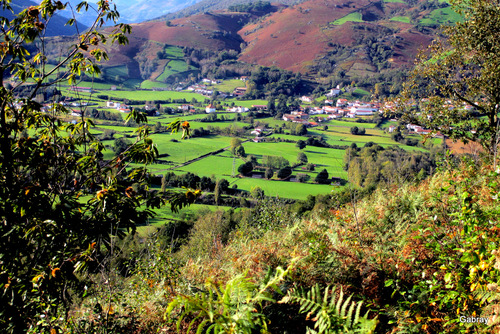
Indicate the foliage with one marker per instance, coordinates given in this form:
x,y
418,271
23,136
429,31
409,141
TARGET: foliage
x,y
357,131
374,164
273,161
268,173
331,314
302,158
245,168
322,177
457,79
235,307
301,144
63,206
284,172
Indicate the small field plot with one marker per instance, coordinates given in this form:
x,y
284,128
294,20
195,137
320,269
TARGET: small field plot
x,y
228,86
149,84
138,95
285,150
184,150
220,166
442,16
404,19
285,189
173,67
353,17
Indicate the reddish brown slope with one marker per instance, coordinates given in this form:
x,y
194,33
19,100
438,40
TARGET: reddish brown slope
x,y
293,38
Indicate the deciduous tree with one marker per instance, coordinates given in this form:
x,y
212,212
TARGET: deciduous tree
x,y
457,78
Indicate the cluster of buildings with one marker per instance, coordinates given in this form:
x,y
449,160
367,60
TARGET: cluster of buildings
x,y
118,106
342,108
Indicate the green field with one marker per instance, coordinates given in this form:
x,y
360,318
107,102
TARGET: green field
x,y
442,16
353,17
148,84
185,150
173,67
228,86
155,95
404,19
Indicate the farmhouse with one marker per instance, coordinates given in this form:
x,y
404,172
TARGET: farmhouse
x,y
306,99
110,104
341,103
210,109
239,109
259,107
240,91
185,107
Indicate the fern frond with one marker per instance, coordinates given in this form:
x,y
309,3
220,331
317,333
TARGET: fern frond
x,y
331,314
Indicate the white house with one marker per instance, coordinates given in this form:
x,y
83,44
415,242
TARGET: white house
x,y
111,104
210,109
238,109
306,99
334,92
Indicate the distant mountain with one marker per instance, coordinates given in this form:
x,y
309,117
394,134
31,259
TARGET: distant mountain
x,y
143,10
204,6
57,25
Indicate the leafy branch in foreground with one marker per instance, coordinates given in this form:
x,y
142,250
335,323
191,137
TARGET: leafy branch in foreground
x,y
331,315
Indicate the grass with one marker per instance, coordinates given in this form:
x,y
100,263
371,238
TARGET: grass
x,y
404,19
151,95
116,70
229,85
397,1
185,150
353,17
442,16
173,67
285,189
148,84
173,52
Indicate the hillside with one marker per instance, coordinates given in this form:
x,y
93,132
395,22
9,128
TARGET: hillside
x,y
361,37
326,40
213,5
57,25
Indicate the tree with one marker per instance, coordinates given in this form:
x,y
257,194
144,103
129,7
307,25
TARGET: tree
x,y
301,144
240,151
235,142
49,235
322,177
302,158
459,77
269,173
245,168
284,172
354,130
300,130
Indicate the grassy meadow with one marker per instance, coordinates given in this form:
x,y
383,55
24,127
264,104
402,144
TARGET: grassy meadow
x,y
176,152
